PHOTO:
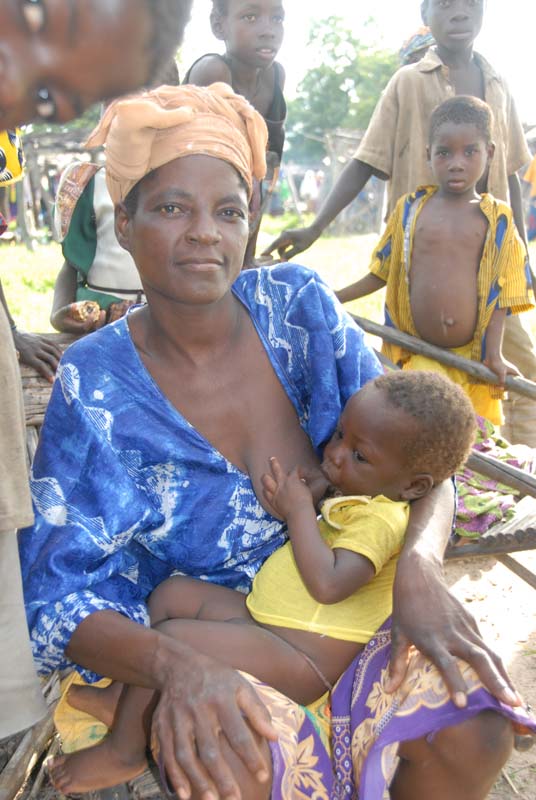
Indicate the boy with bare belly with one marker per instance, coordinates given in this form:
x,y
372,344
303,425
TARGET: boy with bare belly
x,y
452,259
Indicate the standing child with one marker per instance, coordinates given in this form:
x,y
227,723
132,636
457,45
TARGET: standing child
x,y
394,148
319,598
453,261
253,35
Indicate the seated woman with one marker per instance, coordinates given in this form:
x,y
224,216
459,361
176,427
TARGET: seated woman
x,y
150,461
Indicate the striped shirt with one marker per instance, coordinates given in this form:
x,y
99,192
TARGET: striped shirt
x,y
503,281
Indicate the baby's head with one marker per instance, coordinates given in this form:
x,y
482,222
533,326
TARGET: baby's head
x,y
253,33
400,435
455,24
460,144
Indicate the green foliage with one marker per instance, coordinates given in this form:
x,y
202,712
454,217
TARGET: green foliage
x,y
341,92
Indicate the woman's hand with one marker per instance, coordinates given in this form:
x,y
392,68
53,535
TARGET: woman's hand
x,y
428,616
201,704
285,492
37,352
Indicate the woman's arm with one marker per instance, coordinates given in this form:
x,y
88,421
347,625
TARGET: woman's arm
x,y
329,575
427,615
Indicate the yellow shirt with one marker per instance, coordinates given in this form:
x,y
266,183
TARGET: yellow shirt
x,y
375,528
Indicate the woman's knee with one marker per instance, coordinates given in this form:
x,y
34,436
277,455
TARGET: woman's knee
x,y
469,755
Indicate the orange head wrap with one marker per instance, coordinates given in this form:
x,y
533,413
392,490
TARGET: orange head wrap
x,y
145,131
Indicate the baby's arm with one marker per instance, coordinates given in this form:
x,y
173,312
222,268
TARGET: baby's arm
x,y
367,285
329,575
494,337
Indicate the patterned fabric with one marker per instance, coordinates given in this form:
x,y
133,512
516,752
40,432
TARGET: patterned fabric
x,y
503,276
367,724
482,502
11,157
176,503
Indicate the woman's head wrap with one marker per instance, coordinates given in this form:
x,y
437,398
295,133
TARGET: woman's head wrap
x,y
143,132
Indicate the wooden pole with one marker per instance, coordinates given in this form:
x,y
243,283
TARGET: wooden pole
x,y
447,357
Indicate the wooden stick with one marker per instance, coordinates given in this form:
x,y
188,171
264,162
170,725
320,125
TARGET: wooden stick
x,y
25,757
447,357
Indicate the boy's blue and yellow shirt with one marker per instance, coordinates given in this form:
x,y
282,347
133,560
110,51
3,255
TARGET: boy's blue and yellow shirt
x,y
11,157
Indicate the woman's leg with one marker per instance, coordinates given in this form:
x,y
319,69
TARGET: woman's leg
x,y
460,762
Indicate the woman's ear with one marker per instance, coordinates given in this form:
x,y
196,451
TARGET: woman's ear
x,y
491,150
122,226
419,486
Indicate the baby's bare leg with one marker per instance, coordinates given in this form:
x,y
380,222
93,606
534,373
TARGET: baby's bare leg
x,y
187,598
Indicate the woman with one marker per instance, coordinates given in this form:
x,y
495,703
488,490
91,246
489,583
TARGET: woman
x,y
157,433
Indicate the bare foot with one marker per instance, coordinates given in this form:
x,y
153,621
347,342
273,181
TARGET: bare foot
x,y
99,703
95,767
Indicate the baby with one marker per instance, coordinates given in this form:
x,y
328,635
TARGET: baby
x,y
319,599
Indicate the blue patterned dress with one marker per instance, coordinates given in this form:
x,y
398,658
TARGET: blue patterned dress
x,y
126,491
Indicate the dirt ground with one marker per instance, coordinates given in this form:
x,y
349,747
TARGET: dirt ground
x,y
505,609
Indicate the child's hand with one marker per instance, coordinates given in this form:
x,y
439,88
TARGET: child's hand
x,y
501,368
285,492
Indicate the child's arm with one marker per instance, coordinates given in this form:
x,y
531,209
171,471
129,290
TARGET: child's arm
x,y
64,295
367,285
33,349
329,575
494,337
350,182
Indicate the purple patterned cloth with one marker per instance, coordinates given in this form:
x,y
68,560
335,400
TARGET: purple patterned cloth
x,y
367,724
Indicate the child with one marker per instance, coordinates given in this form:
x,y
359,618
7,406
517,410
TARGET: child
x,y
253,37
318,599
394,148
452,259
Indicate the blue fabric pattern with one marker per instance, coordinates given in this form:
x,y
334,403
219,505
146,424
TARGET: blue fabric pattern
x,y
126,491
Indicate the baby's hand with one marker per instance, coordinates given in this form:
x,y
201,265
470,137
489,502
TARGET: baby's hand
x,y
284,492
501,368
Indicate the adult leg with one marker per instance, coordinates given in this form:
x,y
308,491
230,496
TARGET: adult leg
x,y
21,700
520,412
462,761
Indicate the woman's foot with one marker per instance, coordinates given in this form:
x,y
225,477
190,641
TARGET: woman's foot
x,y
96,767
97,702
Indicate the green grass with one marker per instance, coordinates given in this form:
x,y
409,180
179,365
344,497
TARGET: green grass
x,y
28,278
